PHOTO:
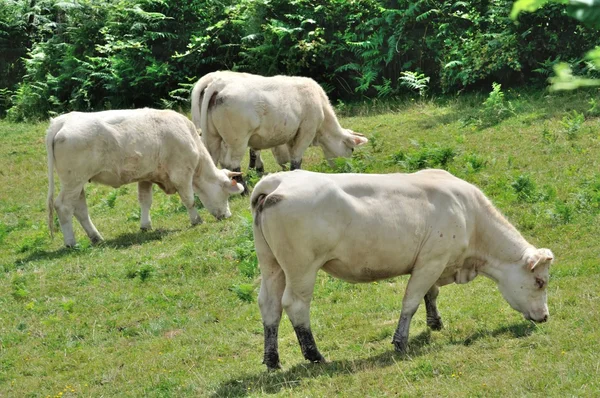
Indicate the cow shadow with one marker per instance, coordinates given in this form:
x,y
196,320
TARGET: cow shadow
x,y
274,382
516,330
120,242
137,238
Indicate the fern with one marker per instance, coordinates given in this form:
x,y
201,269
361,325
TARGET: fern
x,y
415,81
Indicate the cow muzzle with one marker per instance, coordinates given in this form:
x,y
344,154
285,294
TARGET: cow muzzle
x,y
541,319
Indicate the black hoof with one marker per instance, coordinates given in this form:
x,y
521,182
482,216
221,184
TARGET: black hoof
x,y
96,241
400,347
435,324
272,362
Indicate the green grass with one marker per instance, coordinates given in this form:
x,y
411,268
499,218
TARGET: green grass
x,y
173,312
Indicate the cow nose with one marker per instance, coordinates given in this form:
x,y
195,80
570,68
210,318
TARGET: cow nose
x,y
544,319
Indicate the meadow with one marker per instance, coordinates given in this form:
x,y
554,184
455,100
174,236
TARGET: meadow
x,y
173,312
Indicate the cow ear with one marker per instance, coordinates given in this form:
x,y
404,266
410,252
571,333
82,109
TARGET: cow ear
x,y
233,187
538,258
356,140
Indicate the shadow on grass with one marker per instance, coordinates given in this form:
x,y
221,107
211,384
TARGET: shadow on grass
x,y
273,382
120,242
137,238
517,330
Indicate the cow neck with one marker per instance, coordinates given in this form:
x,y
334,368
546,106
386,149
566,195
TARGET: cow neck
x,y
330,122
206,168
498,243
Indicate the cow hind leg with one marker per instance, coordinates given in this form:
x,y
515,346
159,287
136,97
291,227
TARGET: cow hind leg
x,y
145,199
269,299
82,215
296,302
421,281
65,208
233,160
434,320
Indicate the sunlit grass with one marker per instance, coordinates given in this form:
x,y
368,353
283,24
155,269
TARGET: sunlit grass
x,y
173,312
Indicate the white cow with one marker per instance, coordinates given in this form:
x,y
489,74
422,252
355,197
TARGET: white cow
x,y
267,112
280,153
362,228
123,146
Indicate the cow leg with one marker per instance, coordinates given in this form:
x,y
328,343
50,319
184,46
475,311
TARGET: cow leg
x,y
256,162
281,154
65,207
434,320
233,160
421,281
296,302
269,299
260,166
304,137
213,143
145,199
82,215
186,193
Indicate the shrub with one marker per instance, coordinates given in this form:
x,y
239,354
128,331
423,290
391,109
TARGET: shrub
x,y
525,189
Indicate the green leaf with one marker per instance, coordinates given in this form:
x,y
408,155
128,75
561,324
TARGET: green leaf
x,y
531,5
586,11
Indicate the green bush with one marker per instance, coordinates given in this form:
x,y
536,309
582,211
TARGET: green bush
x,y
91,54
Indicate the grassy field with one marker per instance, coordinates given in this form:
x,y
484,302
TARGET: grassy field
x,y
173,312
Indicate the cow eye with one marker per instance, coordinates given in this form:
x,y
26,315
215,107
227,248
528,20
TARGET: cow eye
x,y
540,283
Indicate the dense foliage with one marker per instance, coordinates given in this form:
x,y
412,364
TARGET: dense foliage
x,y
92,54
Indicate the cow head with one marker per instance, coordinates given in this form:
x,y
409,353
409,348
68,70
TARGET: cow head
x,y
524,284
335,146
214,192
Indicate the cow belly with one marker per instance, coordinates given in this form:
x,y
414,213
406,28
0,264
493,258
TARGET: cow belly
x,y
262,141
360,273
108,178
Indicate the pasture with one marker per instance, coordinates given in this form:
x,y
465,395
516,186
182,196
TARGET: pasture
x,y
173,312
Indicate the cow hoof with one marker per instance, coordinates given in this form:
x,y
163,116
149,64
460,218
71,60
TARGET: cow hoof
x,y
400,347
197,221
96,240
273,367
435,324
146,229
315,358
260,171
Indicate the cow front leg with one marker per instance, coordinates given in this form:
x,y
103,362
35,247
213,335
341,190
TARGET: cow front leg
x,y
296,302
186,194
82,215
145,199
304,137
421,280
434,320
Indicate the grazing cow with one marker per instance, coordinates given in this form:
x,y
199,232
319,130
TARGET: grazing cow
x,y
267,112
196,100
363,228
281,153
123,146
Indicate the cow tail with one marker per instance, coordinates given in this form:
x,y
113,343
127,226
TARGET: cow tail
x,y
50,134
263,197
208,94
199,87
